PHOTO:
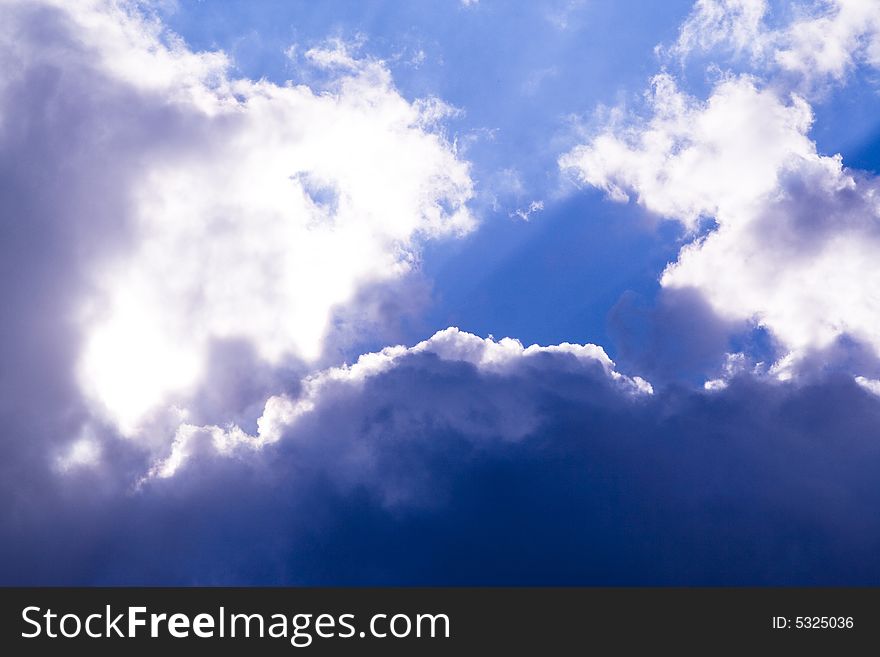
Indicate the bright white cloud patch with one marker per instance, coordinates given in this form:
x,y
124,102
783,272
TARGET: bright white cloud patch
x,y
690,160
257,208
820,42
871,385
281,412
797,233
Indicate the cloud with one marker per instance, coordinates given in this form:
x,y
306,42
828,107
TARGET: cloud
x,y
871,385
692,160
819,43
526,212
238,210
676,338
793,231
736,25
468,460
282,413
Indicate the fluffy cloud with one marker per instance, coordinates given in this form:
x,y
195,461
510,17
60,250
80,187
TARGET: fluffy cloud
x,y
795,232
282,412
692,160
469,461
816,42
243,210
841,35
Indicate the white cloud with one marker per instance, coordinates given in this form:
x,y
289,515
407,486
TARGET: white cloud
x,y
733,24
796,237
281,412
821,42
692,159
526,212
336,53
833,41
871,385
734,364
257,209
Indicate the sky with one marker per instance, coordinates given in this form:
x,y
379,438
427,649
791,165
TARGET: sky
x,y
439,293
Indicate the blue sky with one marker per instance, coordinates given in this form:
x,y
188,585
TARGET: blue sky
x,y
440,292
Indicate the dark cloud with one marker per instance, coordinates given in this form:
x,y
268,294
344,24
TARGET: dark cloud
x,y
758,484
676,337
392,312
